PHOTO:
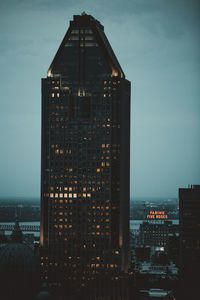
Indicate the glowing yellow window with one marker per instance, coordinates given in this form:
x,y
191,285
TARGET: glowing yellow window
x,y
98,170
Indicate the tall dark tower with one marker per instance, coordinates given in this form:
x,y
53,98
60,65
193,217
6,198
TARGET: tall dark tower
x,y
189,214
85,159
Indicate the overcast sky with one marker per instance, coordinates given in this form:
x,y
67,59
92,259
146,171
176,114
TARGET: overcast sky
x,y
157,44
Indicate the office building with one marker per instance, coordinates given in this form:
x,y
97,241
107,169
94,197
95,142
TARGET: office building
x,y
85,162
189,213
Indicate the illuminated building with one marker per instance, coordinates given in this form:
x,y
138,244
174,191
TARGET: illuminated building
x,y
85,161
189,214
151,234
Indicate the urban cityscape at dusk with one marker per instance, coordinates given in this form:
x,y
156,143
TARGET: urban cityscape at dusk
x,y
100,173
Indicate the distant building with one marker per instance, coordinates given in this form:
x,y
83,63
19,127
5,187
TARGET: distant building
x,y
19,269
189,212
153,234
85,166
156,234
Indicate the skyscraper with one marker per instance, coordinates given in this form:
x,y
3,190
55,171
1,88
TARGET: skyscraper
x,y
85,160
189,214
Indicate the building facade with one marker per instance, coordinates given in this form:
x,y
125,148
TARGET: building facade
x,y
189,214
85,161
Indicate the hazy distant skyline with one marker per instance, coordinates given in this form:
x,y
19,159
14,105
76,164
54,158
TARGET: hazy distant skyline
x,y
157,44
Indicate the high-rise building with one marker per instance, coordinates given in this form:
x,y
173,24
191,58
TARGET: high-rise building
x,y
85,160
189,214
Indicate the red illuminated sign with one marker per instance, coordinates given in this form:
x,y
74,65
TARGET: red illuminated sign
x,y
154,214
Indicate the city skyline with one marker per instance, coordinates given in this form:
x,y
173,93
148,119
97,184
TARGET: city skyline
x,y
159,56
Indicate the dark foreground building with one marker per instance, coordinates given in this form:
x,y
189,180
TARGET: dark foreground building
x,y
19,268
189,203
85,168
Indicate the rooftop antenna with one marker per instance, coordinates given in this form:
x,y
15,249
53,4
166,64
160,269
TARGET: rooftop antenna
x,y
144,210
